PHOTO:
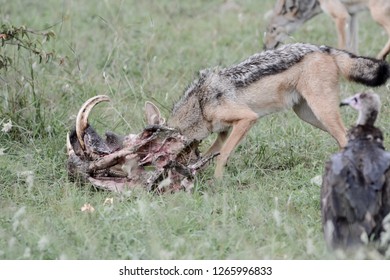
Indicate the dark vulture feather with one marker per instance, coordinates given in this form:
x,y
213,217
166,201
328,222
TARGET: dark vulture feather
x,y
355,193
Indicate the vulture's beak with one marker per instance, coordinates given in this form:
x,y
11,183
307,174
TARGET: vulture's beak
x,y
349,101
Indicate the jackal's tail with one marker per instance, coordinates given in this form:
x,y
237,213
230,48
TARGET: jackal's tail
x,y
364,70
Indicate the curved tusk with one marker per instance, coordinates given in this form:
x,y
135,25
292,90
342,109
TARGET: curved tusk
x,y
82,116
69,147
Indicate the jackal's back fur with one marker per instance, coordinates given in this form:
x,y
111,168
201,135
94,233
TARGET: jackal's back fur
x,y
300,76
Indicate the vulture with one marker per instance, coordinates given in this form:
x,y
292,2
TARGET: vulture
x,y
355,191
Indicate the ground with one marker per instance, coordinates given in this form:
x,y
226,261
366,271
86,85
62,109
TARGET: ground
x,y
266,207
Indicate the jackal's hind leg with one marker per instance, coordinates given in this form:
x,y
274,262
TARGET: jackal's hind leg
x,y
326,111
380,12
385,51
304,112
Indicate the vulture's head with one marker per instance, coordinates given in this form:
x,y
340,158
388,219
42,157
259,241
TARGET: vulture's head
x,y
367,103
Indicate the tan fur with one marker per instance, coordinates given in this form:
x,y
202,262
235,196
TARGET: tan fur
x,y
153,115
319,105
218,102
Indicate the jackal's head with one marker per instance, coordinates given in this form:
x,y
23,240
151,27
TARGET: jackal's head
x,y
286,17
188,114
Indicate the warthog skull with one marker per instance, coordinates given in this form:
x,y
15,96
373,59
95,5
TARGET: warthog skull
x,y
159,158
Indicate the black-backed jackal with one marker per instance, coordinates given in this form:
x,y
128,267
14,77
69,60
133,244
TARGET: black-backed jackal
x,y
303,77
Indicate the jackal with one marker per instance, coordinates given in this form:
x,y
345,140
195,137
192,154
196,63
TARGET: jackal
x,y
304,77
289,15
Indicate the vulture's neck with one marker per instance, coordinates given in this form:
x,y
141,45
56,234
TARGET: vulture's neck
x,y
367,116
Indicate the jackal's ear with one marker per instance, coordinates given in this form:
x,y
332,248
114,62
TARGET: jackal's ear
x,y
287,7
279,5
153,115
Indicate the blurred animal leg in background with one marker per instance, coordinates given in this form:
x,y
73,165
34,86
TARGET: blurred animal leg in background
x,y
342,19
380,12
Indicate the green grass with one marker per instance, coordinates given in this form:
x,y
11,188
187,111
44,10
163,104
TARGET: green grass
x,y
133,51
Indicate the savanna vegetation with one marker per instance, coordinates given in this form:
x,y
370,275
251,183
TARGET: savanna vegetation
x,y
56,54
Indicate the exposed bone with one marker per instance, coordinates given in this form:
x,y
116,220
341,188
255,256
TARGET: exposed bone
x,y
69,148
118,185
201,163
109,160
159,158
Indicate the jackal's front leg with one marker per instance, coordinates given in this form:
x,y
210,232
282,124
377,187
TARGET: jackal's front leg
x,y
239,130
218,143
